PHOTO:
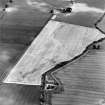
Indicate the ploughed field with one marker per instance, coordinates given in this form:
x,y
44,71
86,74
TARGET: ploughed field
x,y
83,79
19,94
